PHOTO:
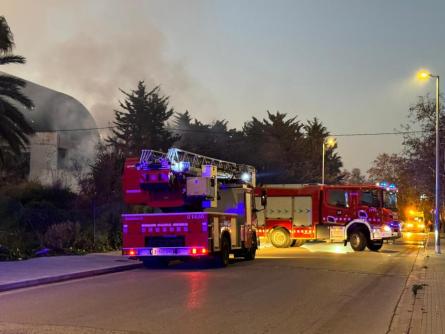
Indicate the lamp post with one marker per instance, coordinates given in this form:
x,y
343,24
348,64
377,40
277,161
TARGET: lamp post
x,y
327,142
424,75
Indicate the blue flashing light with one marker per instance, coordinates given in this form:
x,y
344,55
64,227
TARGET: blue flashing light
x,y
206,204
239,209
153,165
181,167
392,186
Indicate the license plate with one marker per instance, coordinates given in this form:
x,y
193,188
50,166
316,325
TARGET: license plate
x,y
162,251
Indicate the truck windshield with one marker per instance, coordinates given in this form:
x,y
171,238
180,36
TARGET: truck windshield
x,y
390,200
370,198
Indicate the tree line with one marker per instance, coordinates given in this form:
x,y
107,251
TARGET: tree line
x,y
282,148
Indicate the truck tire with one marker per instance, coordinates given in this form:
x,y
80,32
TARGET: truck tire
x,y
358,241
374,245
280,238
155,262
222,258
297,242
250,253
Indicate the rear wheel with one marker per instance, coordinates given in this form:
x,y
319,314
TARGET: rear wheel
x,y
375,245
297,242
358,241
222,258
280,238
250,253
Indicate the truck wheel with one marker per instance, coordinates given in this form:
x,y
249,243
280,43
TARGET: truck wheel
x,y
374,245
155,263
357,240
222,259
251,252
280,238
297,242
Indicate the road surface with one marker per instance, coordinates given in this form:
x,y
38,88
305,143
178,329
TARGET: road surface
x,y
317,288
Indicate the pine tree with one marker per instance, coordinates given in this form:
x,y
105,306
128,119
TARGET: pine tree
x,y
315,134
142,122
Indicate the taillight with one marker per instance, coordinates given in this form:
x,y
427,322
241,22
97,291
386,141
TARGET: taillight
x,y
198,251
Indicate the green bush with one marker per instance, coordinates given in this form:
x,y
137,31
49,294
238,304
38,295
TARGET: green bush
x,y
61,236
34,217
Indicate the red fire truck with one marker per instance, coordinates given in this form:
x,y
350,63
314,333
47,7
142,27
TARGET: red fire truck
x,y
197,207
363,215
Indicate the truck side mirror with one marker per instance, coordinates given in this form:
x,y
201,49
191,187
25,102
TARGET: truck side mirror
x,y
263,198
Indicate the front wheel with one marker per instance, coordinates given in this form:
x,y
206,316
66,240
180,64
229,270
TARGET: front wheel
x,y
358,241
280,238
375,245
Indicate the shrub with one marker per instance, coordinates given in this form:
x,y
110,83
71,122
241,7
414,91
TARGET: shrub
x,y
62,236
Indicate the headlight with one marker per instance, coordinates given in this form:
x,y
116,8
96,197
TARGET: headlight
x,y
386,228
409,225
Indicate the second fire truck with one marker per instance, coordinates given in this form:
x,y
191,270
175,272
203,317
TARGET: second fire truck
x,y
186,205
363,215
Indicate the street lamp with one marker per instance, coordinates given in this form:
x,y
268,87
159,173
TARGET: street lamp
x,y
327,142
425,75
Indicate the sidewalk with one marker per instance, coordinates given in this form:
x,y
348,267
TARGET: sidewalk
x,y
421,309
44,270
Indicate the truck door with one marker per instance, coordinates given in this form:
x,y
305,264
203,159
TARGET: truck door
x,y
336,208
369,204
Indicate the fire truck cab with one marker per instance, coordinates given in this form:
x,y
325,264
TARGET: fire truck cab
x,y
363,215
186,205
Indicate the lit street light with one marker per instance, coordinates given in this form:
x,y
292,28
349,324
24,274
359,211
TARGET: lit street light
x,y
328,142
425,75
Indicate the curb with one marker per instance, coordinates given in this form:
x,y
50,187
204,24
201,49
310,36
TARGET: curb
x,y
66,277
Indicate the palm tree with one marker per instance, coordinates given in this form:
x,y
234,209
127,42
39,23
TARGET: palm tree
x,y
14,129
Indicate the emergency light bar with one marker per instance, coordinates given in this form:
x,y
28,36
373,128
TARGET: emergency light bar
x,y
386,185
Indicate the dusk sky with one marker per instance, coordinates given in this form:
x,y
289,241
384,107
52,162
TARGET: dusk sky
x,y
349,63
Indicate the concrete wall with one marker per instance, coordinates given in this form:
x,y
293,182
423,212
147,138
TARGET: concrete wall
x,y
47,164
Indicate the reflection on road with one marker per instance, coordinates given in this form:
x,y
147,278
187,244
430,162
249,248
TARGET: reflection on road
x,y
197,288
329,248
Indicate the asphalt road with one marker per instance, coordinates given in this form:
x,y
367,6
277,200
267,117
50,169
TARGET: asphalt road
x,y
318,288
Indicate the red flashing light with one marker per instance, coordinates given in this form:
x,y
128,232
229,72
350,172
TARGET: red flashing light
x,y
204,251
132,252
194,251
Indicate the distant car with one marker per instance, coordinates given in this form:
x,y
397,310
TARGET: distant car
x,y
415,222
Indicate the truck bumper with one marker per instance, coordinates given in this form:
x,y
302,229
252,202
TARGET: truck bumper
x,y
384,235
165,251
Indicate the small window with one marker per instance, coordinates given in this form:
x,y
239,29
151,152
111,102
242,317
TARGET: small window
x,y
370,198
338,198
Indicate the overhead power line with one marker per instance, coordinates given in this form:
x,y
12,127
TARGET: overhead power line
x,y
356,134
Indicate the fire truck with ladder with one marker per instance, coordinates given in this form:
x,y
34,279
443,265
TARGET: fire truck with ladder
x,y
200,207
363,215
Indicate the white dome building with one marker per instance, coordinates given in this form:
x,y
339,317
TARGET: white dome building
x,y
60,149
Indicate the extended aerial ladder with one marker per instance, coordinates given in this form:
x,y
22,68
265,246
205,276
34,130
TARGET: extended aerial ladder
x,y
191,163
